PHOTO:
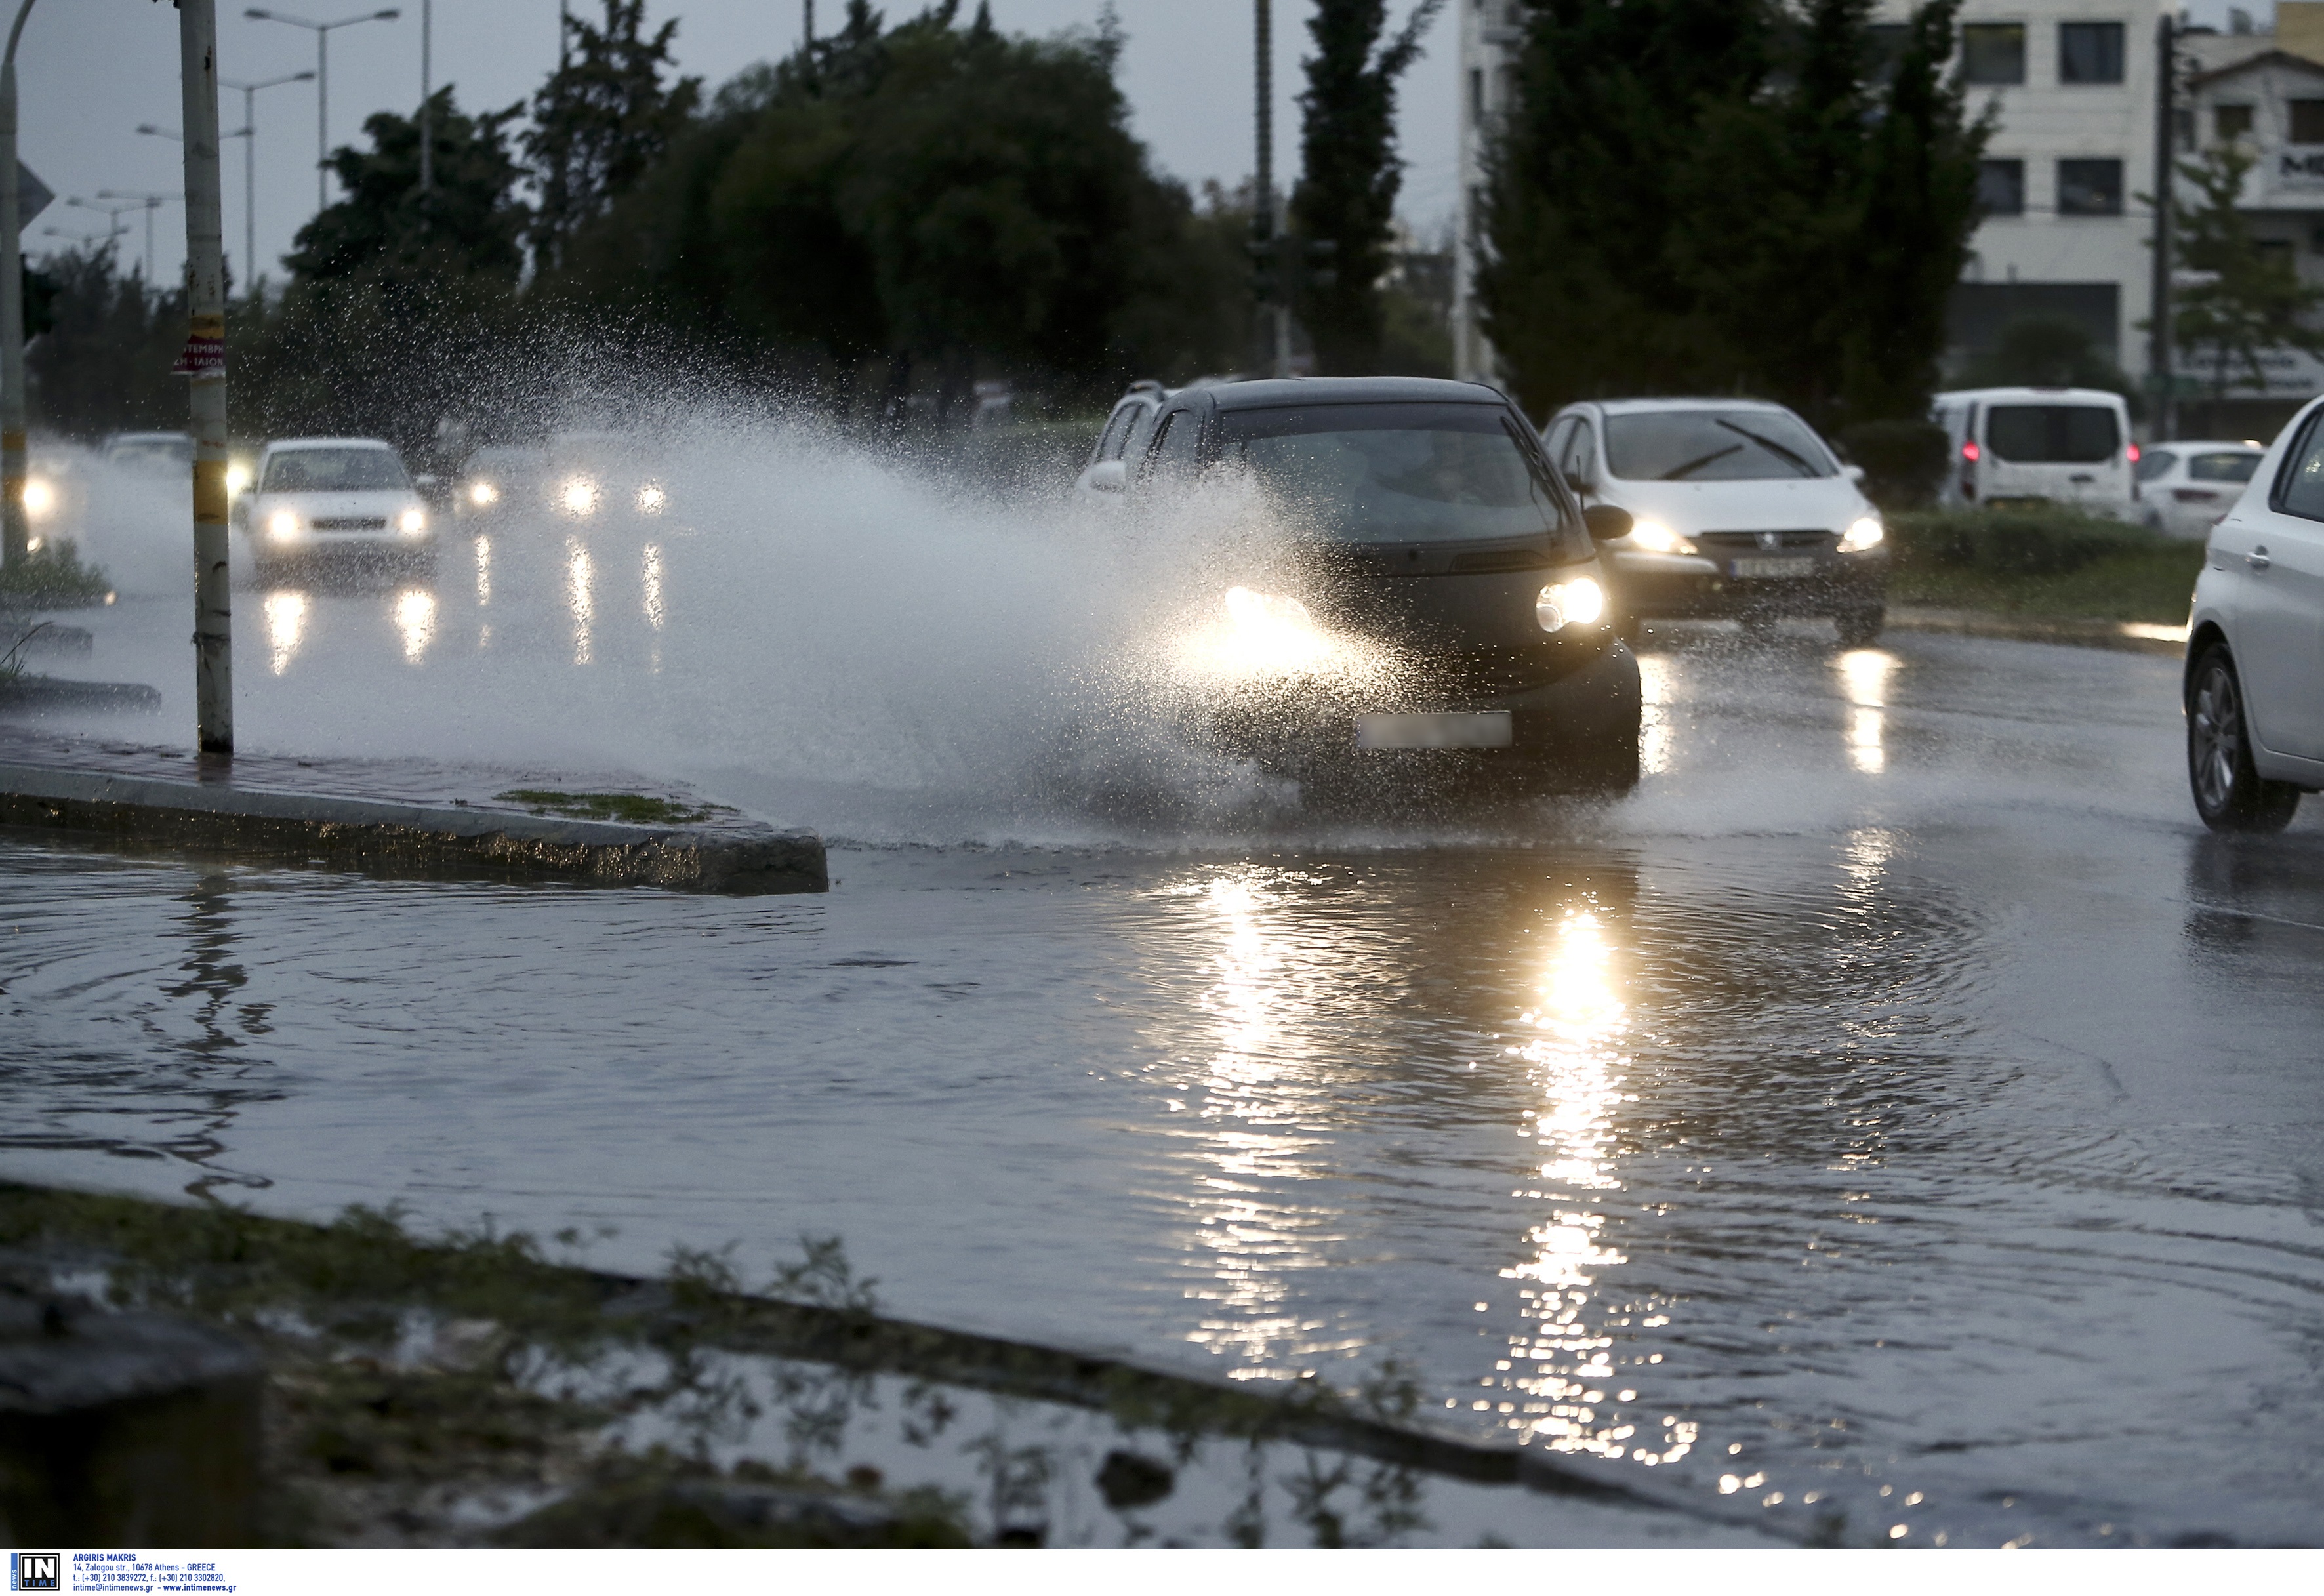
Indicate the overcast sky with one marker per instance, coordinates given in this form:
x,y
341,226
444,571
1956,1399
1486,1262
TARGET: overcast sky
x,y
90,71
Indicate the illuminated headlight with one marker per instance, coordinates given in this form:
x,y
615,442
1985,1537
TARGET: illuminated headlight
x,y
481,493
282,524
1865,533
1562,605
39,498
414,522
580,496
237,478
651,499
1658,538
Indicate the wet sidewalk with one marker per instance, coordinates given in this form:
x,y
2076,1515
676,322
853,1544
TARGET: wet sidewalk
x,y
401,814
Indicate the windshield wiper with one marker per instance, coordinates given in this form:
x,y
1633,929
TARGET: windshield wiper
x,y
1770,444
1693,466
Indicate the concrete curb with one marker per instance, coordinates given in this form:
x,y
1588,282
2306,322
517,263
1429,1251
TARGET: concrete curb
x,y
375,835
58,692
2129,636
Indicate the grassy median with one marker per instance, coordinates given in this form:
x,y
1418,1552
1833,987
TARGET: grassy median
x,y
2041,564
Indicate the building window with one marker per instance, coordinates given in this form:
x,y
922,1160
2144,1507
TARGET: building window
x,y
1884,47
2231,122
2001,187
1476,94
2275,252
2090,52
2089,187
1993,52
2182,128
2307,120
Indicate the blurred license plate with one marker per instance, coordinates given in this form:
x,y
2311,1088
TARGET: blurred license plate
x,y
1798,565
1479,729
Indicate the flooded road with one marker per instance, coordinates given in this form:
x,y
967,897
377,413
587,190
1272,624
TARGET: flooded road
x,y
1899,1122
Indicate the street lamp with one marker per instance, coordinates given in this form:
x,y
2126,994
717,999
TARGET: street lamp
x,y
249,159
322,32
152,202
107,236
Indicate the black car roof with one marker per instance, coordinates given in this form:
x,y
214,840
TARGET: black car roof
x,y
1274,392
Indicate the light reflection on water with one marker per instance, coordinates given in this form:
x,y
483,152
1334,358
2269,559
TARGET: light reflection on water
x,y
286,626
415,618
1864,676
578,595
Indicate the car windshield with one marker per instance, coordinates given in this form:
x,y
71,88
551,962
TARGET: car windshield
x,y
2052,434
1399,472
1713,445
152,453
2226,465
334,471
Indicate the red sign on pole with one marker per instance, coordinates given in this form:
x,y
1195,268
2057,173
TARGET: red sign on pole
x,y
201,357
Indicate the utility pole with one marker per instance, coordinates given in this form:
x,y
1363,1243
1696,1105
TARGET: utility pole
x,y
1274,309
426,113
2159,339
204,363
16,532
807,29
322,32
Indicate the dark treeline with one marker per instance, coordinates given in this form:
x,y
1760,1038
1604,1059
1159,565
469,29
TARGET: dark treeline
x,y
1731,196
1705,196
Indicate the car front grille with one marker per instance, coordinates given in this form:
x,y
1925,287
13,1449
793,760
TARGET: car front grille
x,y
349,523
1806,539
1492,673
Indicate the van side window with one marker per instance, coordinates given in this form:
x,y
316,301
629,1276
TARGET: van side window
x,y
1141,429
2299,491
1175,450
1116,434
1555,442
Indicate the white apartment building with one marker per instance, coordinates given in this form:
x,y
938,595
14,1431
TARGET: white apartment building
x,y
2073,84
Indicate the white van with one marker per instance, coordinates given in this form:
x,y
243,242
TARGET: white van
x,y
2067,445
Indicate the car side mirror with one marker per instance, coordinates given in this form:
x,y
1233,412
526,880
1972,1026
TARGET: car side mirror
x,y
425,482
1109,476
1854,474
1606,522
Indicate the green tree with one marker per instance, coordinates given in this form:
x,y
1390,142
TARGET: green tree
x,y
1713,196
603,120
2249,300
103,363
1350,172
471,224
2048,352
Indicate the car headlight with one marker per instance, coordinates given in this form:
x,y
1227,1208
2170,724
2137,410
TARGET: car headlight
x,y
237,478
414,521
1865,533
481,493
1577,603
282,524
1657,538
580,496
39,498
651,499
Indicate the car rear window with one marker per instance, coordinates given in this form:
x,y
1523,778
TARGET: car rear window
x,y
2226,465
2153,463
333,471
2052,434
1401,473
1713,445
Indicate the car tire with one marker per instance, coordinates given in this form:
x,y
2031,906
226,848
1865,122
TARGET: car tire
x,y
1859,628
2230,794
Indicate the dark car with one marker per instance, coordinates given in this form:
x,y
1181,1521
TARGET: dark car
x,y
1438,601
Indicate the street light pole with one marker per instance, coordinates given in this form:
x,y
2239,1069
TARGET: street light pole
x,y
427,114
322,32
204,363
16,532
250,167
2158,341
152,202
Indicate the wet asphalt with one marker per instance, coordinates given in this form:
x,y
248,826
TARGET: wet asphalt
x,y
1899,1122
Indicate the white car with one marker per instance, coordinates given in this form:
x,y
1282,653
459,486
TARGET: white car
x,y
1738,510
2253,692
2183,488
332,498
2065,446
1123,438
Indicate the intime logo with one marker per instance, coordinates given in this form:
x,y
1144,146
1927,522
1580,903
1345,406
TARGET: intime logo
x,y
34,1570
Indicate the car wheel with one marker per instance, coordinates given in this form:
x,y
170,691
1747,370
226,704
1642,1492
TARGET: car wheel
x,y
2229,792
1859,628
